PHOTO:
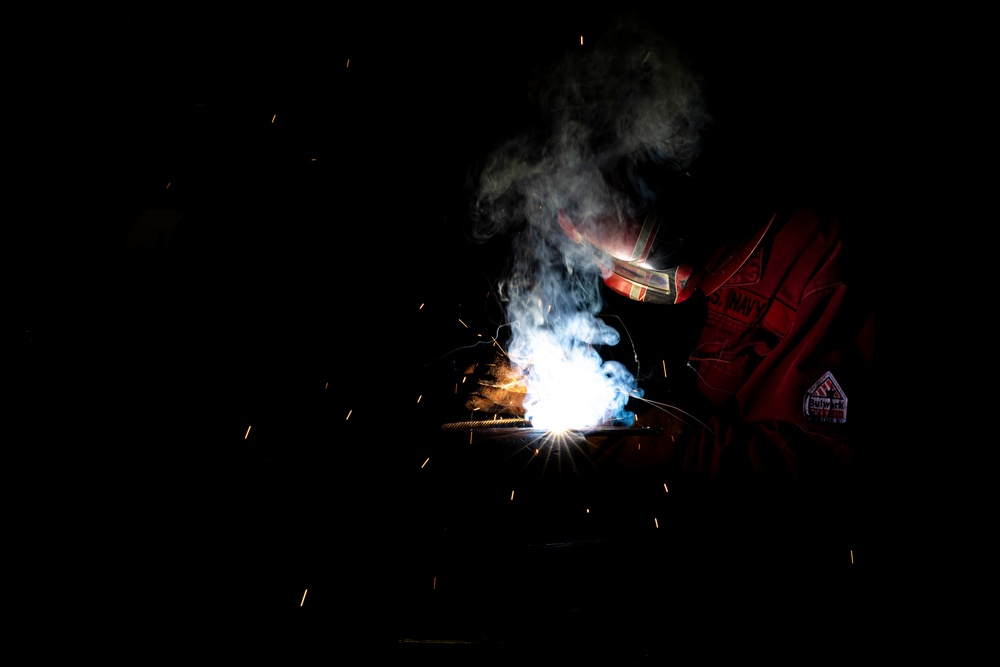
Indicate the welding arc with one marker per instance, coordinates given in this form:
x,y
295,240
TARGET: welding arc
x,y
485,423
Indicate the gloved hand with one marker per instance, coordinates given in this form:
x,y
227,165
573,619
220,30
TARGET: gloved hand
x,y
498,390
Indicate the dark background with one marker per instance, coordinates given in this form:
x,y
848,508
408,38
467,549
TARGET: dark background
x,y
313,288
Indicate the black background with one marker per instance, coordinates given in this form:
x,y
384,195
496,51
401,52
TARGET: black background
x,y
316,287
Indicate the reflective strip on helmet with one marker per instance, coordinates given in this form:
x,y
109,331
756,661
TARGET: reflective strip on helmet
x,y
631,287
644,241
661,281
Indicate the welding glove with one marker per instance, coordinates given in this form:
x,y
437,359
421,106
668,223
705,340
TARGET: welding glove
x,y
497,389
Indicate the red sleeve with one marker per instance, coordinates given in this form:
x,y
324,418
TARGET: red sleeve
x,y
787,393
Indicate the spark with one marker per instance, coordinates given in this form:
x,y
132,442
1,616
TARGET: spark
x,y
581,40
273,117
588,510
656,522
419,397
247,434
463,323
168,186
852,556
348,62
497,343
421,307
303,597
665,488
348,415
664,368
435,584
512,494
425,462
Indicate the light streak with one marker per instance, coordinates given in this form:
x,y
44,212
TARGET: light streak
x,y
419,397
463,323
348,415
425,462
273,117
421,307
665,488
303,597
348,62
581,40
168,186
656,522
435,584
247,434
852,556
664,368
512,494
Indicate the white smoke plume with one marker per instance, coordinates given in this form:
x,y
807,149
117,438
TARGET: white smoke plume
x,y
606,114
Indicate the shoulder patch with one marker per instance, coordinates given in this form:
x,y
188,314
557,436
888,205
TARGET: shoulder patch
x,y
825,401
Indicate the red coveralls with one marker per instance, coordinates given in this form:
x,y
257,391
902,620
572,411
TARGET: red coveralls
x,y
782,366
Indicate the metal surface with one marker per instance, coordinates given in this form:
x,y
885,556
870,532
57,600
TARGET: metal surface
x,y
520,427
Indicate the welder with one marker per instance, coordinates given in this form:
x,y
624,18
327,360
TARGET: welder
x,y
774,386
764,325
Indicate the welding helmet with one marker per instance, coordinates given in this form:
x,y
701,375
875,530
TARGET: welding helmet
x,y
663,255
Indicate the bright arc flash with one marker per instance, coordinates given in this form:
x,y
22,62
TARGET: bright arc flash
x,y
571,387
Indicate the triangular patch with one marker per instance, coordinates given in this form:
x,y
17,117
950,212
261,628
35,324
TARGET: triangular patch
x,y
825,401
